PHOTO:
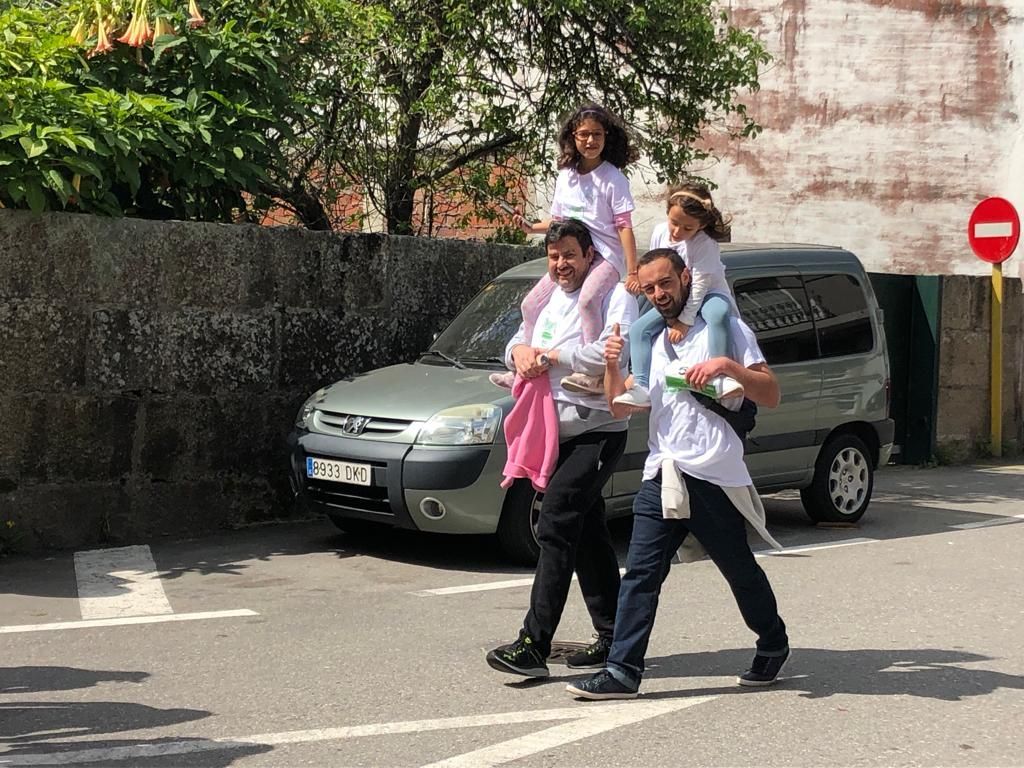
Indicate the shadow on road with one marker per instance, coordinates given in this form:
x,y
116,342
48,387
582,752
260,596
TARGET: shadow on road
x,y
819,673
146,753
39,679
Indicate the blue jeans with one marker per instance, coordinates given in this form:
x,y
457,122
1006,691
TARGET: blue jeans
x,y
720,528
715,310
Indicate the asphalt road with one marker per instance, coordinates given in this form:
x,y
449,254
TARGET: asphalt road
x,y
297,645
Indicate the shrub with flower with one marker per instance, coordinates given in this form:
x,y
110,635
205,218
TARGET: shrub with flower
x,y
145,107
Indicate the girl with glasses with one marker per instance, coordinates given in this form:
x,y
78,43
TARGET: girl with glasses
x,y
594,147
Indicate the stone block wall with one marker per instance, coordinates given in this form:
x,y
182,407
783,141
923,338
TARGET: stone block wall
x,y
964,417
149,371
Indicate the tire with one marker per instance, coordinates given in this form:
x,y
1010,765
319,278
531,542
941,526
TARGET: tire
x,y
844,478
517,528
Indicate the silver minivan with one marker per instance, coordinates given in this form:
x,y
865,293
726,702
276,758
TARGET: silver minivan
x,y
420,445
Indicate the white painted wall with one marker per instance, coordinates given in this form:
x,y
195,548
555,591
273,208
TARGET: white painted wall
x,y
884,124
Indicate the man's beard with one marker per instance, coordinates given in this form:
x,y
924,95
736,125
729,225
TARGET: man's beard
x,y
675,308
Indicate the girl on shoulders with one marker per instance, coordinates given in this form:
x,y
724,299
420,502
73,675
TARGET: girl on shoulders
x,y
594,148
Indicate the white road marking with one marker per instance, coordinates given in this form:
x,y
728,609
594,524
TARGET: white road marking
x,y
994,229
597,722
119,582
512,583
90,623
813,547
587,720
989,523
483,587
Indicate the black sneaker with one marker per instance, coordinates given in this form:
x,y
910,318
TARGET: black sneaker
x,y
519,658
593,656
601,686
764,670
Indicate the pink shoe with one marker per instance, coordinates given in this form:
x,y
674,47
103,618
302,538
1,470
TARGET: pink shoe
x,y
504,380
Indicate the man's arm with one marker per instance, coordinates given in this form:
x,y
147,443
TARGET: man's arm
x,y
521,357
615,380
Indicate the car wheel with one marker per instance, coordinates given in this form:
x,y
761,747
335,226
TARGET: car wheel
x,y
517,528
843,480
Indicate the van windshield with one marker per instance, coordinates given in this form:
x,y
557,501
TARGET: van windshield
x,y
477,337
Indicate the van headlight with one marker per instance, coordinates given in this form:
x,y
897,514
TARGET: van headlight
x,y
302,417
462,425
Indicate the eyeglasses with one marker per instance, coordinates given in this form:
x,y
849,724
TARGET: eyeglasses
x,y
585,136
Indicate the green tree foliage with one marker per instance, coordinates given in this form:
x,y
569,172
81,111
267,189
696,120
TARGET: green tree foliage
x,y
298,102
186,124
459,87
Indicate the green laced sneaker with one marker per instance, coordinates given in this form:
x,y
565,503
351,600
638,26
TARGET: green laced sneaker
x,y
519,658
593,656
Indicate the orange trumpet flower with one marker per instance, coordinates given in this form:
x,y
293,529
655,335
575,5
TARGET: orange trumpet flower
x,y
103,43
195,18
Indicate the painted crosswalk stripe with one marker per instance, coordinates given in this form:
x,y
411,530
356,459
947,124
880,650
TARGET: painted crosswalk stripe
x,y
126,620
585,721
119,582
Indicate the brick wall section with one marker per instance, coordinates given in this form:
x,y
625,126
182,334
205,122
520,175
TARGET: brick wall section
x,y
964,419
149,371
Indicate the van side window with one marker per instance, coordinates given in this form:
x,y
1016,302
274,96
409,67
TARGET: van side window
x,y
841,313
777,311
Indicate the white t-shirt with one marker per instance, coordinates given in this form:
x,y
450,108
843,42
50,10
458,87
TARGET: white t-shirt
x,y
707,273
595,198
698,440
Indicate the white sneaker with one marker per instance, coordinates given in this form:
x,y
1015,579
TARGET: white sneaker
x,y
581,384
636,397
726,389
732,403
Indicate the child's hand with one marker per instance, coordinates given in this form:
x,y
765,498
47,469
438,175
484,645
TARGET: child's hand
x,y
633,285
521,222
677,331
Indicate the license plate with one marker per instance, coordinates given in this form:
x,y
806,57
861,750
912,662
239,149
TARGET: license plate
x,y
339,471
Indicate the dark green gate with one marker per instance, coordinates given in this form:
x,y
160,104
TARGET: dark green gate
x,y
911,304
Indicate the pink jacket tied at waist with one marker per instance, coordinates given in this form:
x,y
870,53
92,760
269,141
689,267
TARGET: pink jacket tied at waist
x,y
531,433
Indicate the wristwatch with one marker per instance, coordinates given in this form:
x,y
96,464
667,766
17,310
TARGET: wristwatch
x,y
544,360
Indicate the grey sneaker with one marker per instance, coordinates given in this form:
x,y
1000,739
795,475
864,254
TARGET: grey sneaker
x,y
519,658
601,686
764,670
581,384
592,657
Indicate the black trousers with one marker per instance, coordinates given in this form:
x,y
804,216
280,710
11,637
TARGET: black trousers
x,y
573,536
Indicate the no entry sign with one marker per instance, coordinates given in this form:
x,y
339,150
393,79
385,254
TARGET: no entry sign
x,y
993,230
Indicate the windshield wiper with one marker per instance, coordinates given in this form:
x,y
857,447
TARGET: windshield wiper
x,y
446,358
495,360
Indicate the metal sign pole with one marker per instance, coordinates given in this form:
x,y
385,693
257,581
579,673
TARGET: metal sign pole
x,y
997,360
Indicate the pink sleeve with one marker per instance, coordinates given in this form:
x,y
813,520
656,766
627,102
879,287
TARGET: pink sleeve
x,y
624,220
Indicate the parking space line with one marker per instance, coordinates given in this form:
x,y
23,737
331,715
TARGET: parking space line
x,y
587,720
91,623
527,582
813,547
119,582
989,523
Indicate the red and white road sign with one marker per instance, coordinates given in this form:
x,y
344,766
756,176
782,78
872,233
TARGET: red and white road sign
x,y
993,230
